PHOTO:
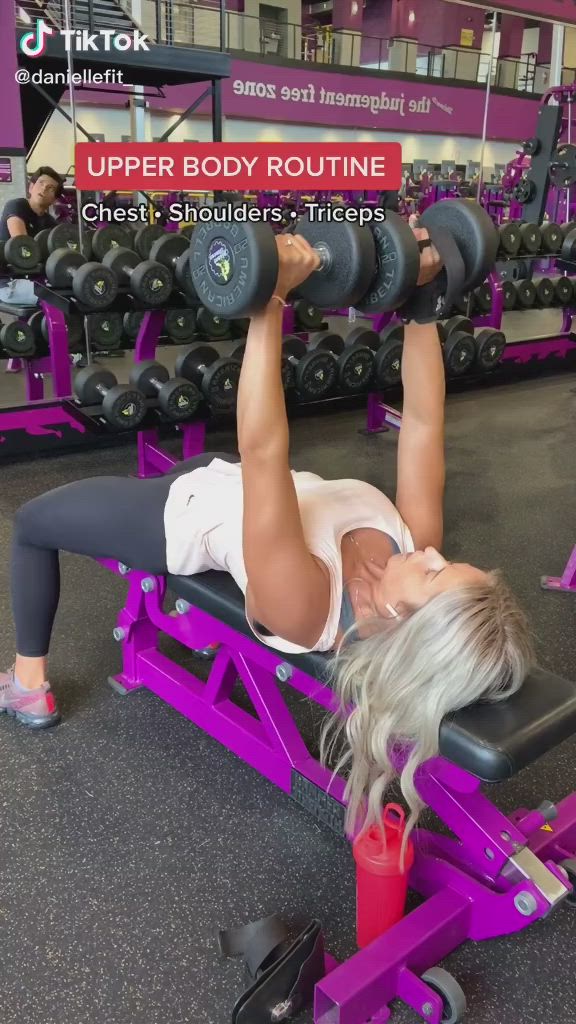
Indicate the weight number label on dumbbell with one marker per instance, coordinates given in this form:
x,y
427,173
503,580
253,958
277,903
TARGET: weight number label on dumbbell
x,y
221,260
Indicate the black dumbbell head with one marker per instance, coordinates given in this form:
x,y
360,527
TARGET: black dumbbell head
x,y
459,354
64,236
388,360
169,248
18,340
490,345
473,231
396,267
346,276
111,236
105,331
234,267
363,336
22,253
145,237
124,408
307,315
180,325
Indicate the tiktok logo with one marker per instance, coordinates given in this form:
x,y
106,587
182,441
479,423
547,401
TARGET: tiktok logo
x,y
33,43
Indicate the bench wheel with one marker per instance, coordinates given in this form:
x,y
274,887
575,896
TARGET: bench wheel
x,y
448,988
569,866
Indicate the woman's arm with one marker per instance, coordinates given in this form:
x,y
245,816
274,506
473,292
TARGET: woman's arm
x,y
421,460
288,588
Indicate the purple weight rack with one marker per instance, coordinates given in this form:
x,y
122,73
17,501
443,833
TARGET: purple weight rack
x,y
495,875
567,581
57,364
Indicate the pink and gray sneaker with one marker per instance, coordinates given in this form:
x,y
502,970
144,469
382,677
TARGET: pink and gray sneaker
x,y
34,708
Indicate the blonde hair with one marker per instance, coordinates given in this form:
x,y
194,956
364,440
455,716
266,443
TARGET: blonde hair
x,y
469,644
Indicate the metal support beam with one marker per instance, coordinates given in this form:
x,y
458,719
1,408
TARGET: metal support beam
x,y
557,61
61,110
187,112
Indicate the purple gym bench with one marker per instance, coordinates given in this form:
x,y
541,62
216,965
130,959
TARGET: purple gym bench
x,y
494,876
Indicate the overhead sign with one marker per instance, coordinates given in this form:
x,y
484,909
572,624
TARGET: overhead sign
x,y
562,11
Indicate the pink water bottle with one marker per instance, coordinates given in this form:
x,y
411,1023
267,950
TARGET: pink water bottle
x,y
381,877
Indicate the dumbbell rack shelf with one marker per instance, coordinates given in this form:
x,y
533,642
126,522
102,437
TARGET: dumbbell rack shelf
x,y
57,364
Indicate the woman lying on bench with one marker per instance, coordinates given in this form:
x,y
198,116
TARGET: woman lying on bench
x,y
325,565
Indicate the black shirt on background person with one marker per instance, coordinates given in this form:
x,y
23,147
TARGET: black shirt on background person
x,y
29,216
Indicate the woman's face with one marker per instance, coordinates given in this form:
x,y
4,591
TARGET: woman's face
x,y
410,581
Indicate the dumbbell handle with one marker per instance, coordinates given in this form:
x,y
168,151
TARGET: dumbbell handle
x,y
158,384
102,389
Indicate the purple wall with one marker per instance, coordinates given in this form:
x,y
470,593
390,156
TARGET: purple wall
x,y
12,135
554,10
511,35
436,23
344,18
545,44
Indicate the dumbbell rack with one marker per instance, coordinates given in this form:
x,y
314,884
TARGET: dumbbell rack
x,y
57,364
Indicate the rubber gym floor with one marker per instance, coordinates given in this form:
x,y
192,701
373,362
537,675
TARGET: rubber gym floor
x,y
129,837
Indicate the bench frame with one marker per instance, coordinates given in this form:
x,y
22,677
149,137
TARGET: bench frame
x,y
496,876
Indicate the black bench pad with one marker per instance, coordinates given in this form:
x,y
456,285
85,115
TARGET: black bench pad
x,y
491,741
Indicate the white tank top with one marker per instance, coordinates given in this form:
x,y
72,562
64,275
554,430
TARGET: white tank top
x,y
203,524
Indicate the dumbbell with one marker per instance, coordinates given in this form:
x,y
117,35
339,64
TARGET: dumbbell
x,y
526,294
172,250
307,316
18,340
372,268
531,236
510,295
74,328
217,377
211,325
131,323
122,407
545,294
388,357
510,239
315,373
149,281
145,237
62,236
564,291
355,362
178,398
21,253
111,236
93,285
180,325
466,305
490,345
483,296
457,337
552,238
105,331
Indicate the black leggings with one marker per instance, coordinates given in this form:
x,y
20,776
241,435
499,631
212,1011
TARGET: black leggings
x,y
104,517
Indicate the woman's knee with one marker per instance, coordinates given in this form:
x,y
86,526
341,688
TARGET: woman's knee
x,y
27,519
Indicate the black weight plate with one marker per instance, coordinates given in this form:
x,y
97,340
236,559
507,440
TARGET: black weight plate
x,y
168,248
113,236
18,341
58,265
466,304
388,363
326,341
307,316
526,291
510,295
569,247
145,237
552,238
567,228
183,273
234,267
545,292
474,233
392,331
531,238
210,325
124,408
459,354
532,147
346,277
510,239
142,374
41,240
64,236
152,283
22,252
564,290
510,271
484,298
356,367
490,347
458,323
179,399
316,375
180,324
563,166
105,331
86,247
525,191
220,384
120,260
132,322
94,286
37,322
363,336
397,266
288,373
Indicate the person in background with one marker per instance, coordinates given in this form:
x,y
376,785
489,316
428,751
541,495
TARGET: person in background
x,y
29,216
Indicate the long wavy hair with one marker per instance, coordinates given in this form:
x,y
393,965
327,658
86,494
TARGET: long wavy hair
x,y
469,644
